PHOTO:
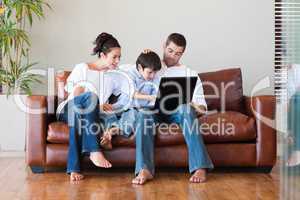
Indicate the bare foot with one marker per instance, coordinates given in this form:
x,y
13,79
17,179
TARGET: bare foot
x,y
294,159
105,141
199,176
75,176
99,160
142,177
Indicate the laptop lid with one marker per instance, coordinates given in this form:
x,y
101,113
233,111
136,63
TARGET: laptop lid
x,y
174,91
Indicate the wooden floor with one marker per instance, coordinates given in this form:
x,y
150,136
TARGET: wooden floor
x,y
18,182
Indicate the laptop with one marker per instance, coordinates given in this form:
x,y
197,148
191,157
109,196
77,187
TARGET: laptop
x,y
174,91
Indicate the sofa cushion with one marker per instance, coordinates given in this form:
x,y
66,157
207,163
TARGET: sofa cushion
x,y
220,127
170,135
58,132
228,127
223,86
121,141
165,136
216,128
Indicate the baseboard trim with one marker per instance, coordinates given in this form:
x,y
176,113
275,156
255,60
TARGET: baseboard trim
x,y
12,154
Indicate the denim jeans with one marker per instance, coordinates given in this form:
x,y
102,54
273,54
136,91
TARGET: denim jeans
x,y
185,117
82,116
126,121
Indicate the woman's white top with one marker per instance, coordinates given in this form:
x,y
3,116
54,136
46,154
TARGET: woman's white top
x,y
104,84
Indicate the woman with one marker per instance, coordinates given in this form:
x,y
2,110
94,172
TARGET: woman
x,y
88,87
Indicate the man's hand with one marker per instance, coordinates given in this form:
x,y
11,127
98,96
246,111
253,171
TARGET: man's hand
x,y
200,109
145,51
106,107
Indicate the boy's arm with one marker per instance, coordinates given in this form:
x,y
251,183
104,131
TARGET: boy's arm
x,y
151,96
141,96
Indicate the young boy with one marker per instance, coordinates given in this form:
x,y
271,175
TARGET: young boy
x,y
142,77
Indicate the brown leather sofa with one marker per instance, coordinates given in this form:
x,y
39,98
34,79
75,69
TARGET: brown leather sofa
x,y
252,144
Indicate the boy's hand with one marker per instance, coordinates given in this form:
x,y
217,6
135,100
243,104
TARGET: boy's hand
x,y
152,98
106,107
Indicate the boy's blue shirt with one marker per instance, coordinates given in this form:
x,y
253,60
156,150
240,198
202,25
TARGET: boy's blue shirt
x,y
139,85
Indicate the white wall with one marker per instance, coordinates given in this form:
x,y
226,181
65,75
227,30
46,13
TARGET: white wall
x,y
13,123
220,33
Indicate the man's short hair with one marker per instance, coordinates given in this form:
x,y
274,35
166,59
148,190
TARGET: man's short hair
x,y
177,39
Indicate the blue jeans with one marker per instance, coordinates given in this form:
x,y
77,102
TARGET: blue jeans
x,y
82,116
126,121
185,117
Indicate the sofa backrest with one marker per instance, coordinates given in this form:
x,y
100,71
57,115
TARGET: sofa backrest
x,y
220,86
223,89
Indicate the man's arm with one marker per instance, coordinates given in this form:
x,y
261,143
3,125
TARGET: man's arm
x,y
198,101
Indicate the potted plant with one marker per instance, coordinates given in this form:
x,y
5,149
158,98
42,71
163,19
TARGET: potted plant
x,y
16,16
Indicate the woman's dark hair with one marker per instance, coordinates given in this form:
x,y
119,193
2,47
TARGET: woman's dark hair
x,y
149,60
104,43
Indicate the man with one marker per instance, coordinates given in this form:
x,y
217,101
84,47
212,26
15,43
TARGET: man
x,y
185,116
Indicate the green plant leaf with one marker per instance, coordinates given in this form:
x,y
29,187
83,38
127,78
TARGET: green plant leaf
x,y
14,43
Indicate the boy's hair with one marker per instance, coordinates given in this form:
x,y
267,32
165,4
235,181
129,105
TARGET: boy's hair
x,y
149,60
177,39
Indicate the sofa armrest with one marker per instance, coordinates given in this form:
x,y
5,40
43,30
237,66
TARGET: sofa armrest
x,y
36,130
262,108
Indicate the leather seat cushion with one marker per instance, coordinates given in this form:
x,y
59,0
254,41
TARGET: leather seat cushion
x,y
216,128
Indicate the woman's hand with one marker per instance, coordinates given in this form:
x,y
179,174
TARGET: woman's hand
x,y
106,107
